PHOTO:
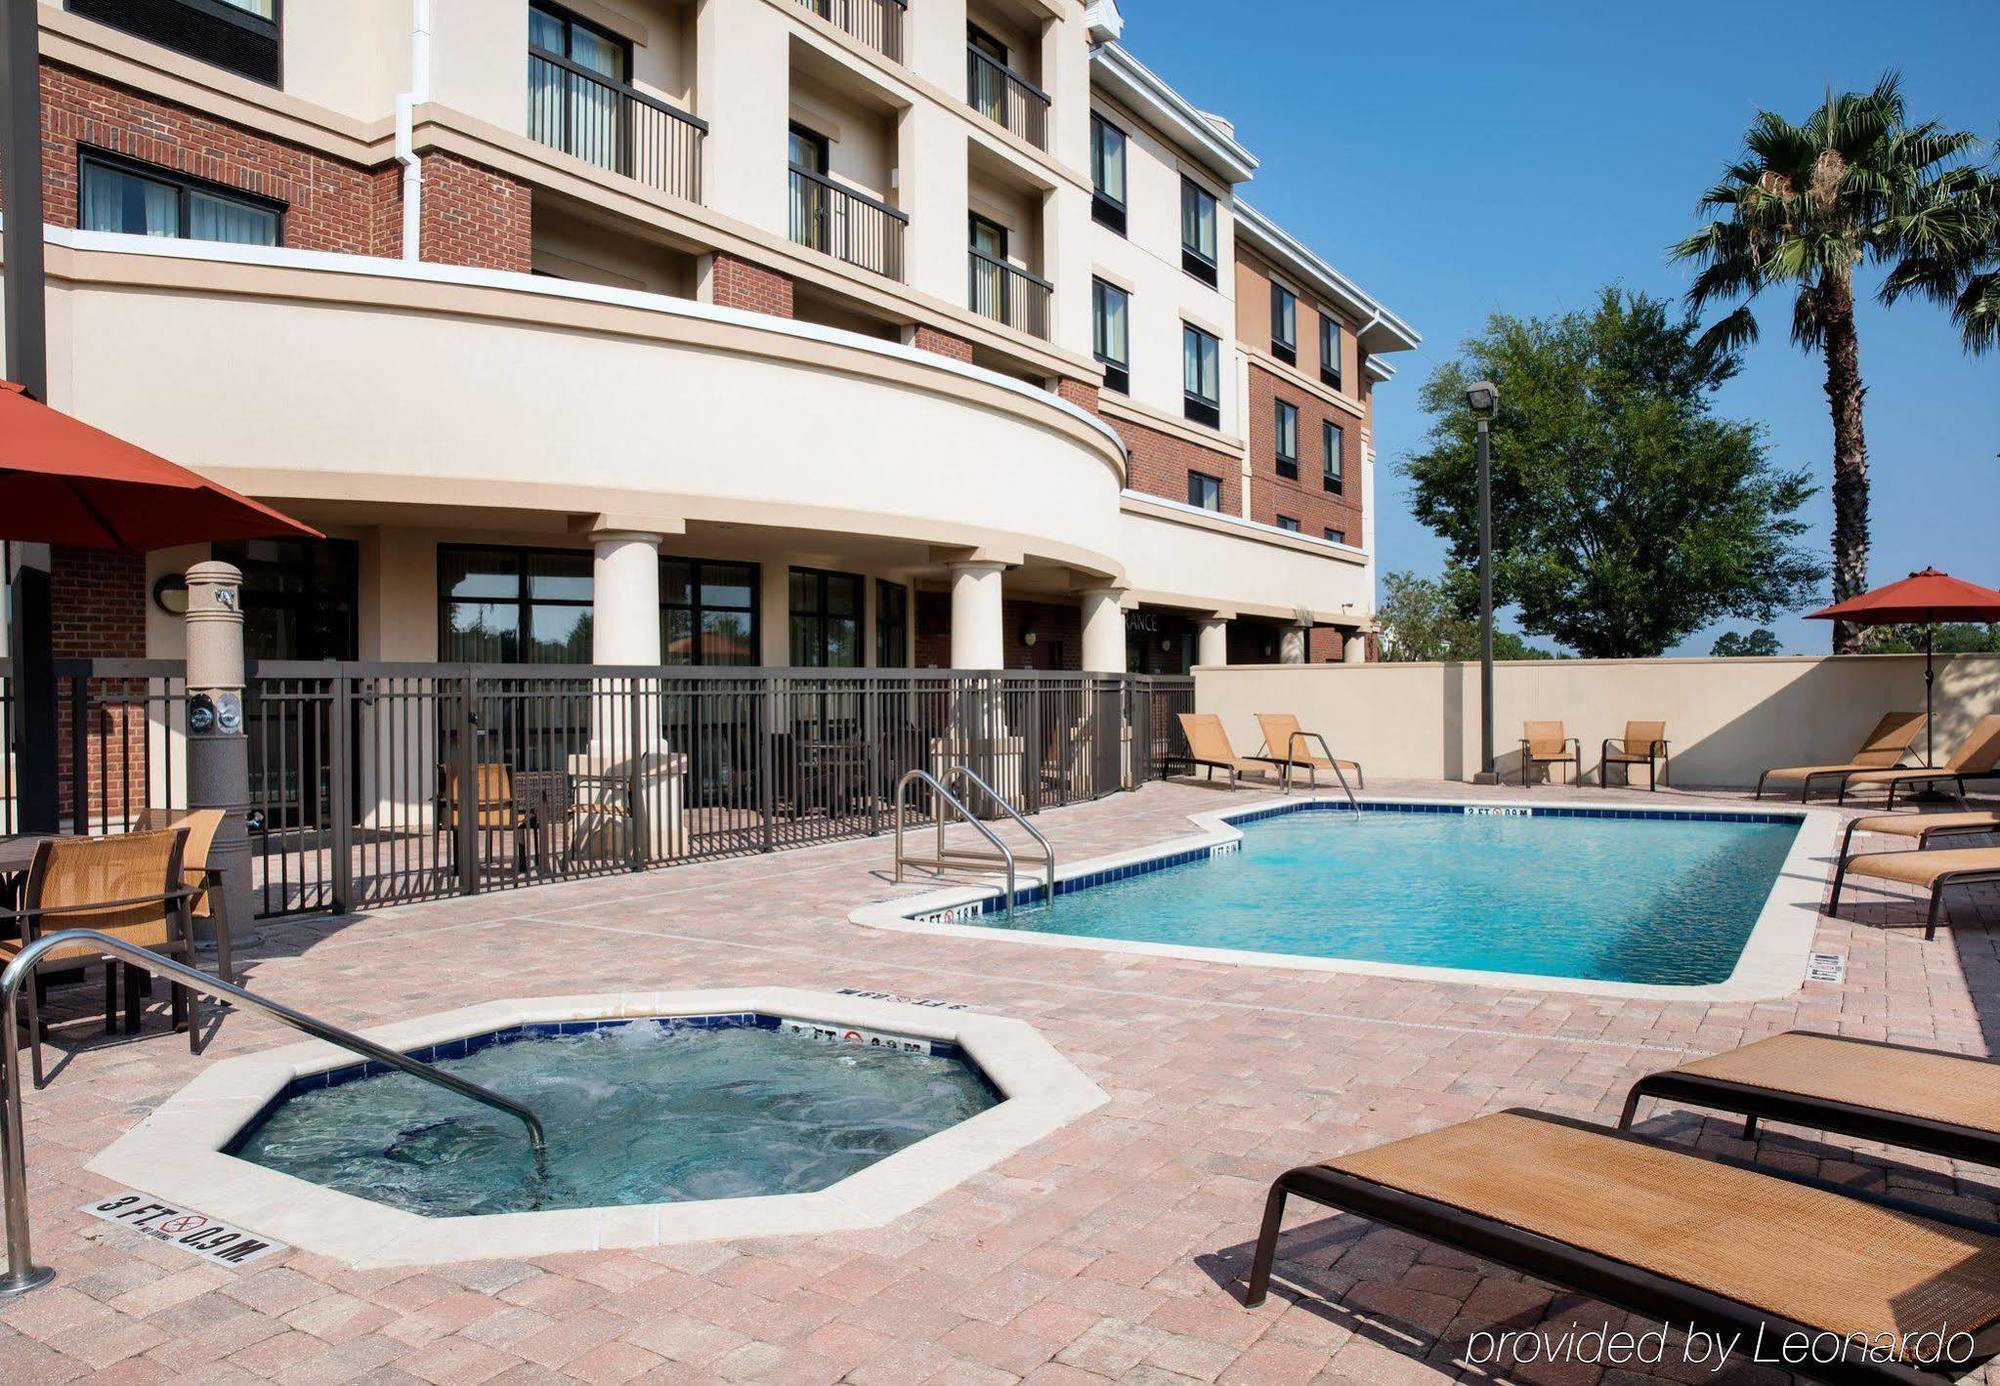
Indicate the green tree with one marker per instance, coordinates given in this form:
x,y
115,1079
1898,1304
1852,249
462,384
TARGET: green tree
x,y
1952,637
1803,207
1626,516
1424,620
1734,644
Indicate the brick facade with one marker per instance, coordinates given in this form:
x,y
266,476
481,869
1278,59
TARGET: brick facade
x,y
99,602
929,338
1160,463
735,283
472,215
1306,499
1058,628
1081,393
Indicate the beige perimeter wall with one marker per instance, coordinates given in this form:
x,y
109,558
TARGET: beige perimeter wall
x,y
1726,718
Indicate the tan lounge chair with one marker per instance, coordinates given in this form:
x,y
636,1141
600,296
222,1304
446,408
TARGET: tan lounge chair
x,y
1883,749
1547,743
1921,826
1681,1239
1935,872
201,825
1977,757
1644,743
1209,748
1289,748
1945,1104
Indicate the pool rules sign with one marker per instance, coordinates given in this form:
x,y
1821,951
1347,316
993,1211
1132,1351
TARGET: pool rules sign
x,y
190,1231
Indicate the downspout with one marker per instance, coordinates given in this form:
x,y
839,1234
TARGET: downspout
x,y
406,106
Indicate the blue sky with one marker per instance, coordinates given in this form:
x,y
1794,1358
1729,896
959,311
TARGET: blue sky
x,y
1461,159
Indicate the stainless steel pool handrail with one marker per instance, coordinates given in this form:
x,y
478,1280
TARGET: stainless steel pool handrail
x,y
1312,769
942,858
955,772
22,1273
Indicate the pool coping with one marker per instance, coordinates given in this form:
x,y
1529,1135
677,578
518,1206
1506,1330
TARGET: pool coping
x,y
1771,965
177,1152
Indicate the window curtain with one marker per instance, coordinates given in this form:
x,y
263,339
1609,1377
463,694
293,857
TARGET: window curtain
x,y
115,201
217,219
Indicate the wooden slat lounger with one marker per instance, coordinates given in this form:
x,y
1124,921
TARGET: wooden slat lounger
x,y
1921,826
1975,758
1921,1099
1289,747
1935,872
1685,1240
1884,748
1208,747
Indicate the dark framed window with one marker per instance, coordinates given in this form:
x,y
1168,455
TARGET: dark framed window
x,y
986,43
892,625
144,200
1336,536
513,606
575,72
1201,371
708,612
1329,350
1284,324
807,148
243,36
1204,491
986,235
1197,230
1107,173
826,619
1285,430
1333,476
1288,523
1111,333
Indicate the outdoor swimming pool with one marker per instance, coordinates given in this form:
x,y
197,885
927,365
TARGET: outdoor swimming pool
x,y
1619,896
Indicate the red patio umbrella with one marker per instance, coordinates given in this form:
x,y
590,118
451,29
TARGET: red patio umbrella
x,y
64,482
1920,599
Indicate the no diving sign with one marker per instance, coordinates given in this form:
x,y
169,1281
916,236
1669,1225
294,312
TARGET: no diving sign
x,y
194,1232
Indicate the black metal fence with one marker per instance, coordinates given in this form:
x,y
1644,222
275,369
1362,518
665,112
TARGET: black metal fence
x,y
848,225
1004,291
614,126
877,23
1006,98
376,784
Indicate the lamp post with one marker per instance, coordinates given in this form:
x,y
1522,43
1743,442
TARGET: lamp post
x,y
1484,396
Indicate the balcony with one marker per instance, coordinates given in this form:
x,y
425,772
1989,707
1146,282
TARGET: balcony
x,y
876,23
1007,293
1006,98
613,126
848,225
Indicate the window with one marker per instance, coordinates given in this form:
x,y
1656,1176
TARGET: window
x,y
141,200
1201,358
1333,439
1107,173
1110,334
1197,231
826,619
1288,523
1336,536
987,70
1204,491
708,612
1285,427
1329,350
243,36
574,72
1284,324
892,625
513,606
807,149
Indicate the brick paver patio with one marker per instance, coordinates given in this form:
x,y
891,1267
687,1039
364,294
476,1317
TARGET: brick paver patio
x,y
1112,1250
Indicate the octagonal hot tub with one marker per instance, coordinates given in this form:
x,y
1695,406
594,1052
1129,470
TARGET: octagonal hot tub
x,y
671,1117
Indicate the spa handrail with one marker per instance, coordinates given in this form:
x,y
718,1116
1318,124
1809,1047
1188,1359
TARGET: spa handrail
x,y
956,772
943,858
22,1274
1312,770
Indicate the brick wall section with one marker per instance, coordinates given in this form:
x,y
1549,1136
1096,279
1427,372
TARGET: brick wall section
x,y
943,343
735,283
1081,393
474,216
1325,645
99,600
1306,499
933,610
1160,463
1058,635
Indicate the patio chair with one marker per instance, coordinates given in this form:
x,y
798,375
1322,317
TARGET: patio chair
x,y
201,825
128,885
1644,743
1285,745
1682,1239
1209,749
1977,757
1934,872
1546,744
1882,749
494,811
1921,826
1922,1099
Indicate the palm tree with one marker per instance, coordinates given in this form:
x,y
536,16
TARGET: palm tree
x,y
1803,206
1964,277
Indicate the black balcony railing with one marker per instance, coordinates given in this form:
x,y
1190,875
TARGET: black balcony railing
x,y
1009,294
611,125
1006,98
846,224
877,23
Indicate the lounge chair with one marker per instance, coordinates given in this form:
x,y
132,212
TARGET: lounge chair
x,y
1946,1104
494,811
1977,757
1644,743
1546,743
1289,748
1921,826
1685,1240
1935,872
1209,748
1883,749
197,873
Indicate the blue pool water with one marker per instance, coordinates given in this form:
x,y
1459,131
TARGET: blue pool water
x,y
1658,901
645,1112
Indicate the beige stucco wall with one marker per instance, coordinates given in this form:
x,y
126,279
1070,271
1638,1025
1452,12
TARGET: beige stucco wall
x,y
1203,562
1726,719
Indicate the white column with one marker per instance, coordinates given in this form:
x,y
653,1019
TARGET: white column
x,y
1103,630
628,770
1354,646
625,598
1212,642
1292,645
975,616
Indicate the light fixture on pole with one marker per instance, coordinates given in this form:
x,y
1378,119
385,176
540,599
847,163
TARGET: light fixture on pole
x,y
1484,397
